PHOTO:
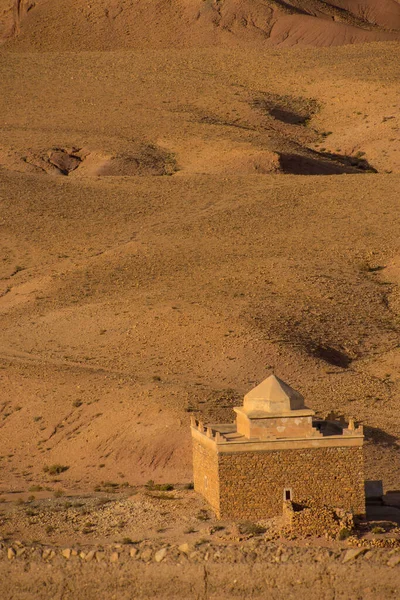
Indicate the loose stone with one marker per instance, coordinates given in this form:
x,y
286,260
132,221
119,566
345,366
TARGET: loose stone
x,y
184,548
160,555
146,555
394,560
352,554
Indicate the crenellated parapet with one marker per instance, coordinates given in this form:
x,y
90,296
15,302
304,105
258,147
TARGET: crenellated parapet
x,y
206,430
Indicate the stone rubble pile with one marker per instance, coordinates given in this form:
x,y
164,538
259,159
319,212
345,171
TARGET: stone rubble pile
x,y
305,520
374,542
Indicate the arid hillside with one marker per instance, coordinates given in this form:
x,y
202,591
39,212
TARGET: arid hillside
x,y
194,194
175,226
116,24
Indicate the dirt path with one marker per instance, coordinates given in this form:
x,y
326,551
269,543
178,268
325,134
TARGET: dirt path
x,y
127,581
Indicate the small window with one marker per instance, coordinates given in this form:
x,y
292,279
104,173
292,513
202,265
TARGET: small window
x,y
287,494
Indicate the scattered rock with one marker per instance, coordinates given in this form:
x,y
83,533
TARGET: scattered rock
x,y
133,552
146,555
21,551
160,555
66,553
100,556
82,555
90,555
46,553
10,553
114,557
352,554
393,561
185,548
284,558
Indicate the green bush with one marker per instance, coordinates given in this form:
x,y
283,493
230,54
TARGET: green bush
x,y
249,528
344,533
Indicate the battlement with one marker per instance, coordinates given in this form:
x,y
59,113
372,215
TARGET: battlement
x,y
208,430
307,431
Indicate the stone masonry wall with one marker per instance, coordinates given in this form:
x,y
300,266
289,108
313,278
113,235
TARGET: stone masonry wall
x,y
205,473
300,521
252,483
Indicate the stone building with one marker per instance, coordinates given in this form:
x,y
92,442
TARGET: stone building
x,y
276,451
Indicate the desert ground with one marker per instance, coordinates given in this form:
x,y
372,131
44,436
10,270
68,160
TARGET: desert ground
x,y
193,195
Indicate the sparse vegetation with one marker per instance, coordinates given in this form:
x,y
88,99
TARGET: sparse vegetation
x,y
344,533
161,487
127,540
249,528
377,530
201,541
216,528
103,501
203,515
50,529
55,469
190,530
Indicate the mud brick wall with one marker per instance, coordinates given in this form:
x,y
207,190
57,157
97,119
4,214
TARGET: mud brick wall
x,y
252,483
205,473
